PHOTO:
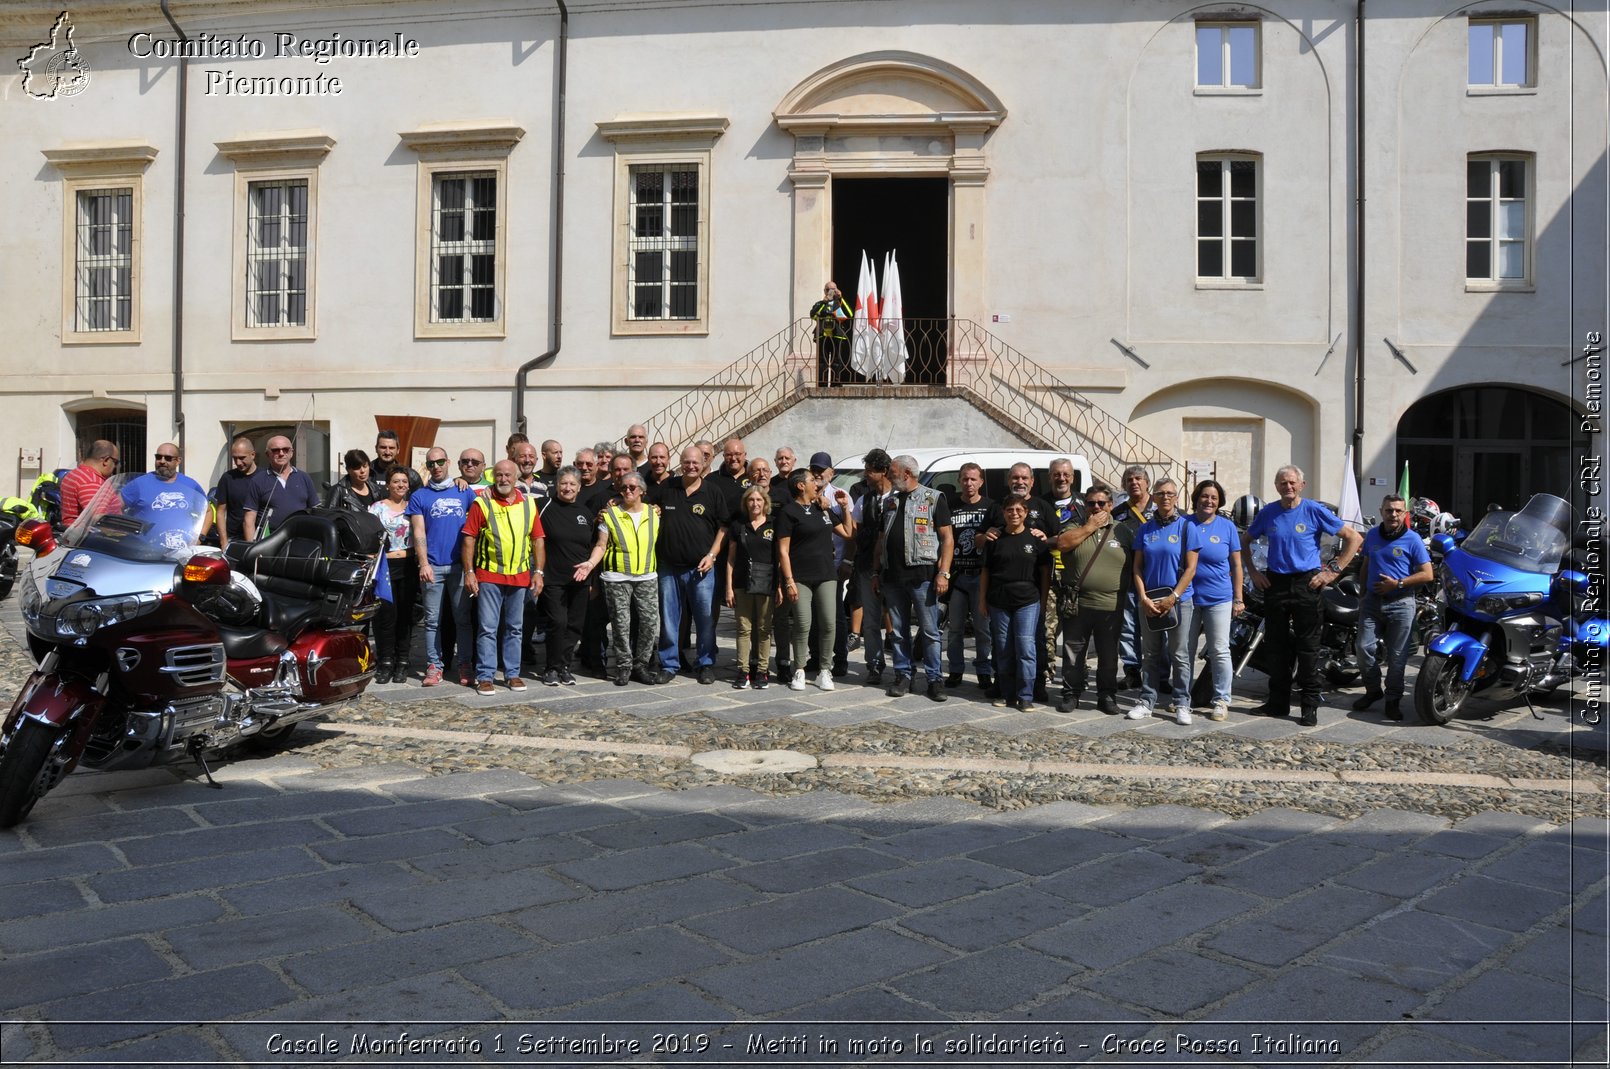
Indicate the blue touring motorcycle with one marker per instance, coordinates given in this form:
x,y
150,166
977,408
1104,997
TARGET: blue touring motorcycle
x,y
1514,616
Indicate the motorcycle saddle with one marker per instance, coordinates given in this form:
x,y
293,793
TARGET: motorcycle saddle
x,y
1342,602
250,643
290,616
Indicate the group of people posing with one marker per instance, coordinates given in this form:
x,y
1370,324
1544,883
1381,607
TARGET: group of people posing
x,y
616,564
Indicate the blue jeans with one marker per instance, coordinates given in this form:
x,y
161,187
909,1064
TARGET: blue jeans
x,y
1165,653
501,615
1016,634
1213,621
1390,623
906,601
964,607
698,593
448,584
1129,630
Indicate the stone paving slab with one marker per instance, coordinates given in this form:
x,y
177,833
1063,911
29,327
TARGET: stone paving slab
x,y
490,897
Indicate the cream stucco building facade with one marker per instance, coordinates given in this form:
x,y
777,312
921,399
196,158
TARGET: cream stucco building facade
x,y
1154,208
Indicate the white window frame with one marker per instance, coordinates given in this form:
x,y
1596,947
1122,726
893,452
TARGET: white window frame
x,y
665,243
681,142
1496,84
86,168
292,156
1224,86
1525,282
466,248
1225,237
460,149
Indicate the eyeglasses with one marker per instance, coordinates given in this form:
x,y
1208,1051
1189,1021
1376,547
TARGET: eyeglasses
x,y
1098,504
471,463
284,449
166,456
1166,493
436,463
631,489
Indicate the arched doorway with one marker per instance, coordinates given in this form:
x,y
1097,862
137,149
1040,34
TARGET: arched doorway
x,y
1486,445
889,155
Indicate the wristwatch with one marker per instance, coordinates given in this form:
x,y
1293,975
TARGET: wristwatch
x,y
944,575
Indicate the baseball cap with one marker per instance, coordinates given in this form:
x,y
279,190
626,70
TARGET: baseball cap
x,y
819,461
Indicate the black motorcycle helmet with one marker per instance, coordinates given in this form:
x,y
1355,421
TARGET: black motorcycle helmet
x,y
1246,507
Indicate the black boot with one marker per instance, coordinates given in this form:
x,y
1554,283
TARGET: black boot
x,y
1367,699
1107,702
383,673
1069,702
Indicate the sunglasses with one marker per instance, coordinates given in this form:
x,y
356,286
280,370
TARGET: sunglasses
x,y
287,449
436,463
165,456
471,463
1098,504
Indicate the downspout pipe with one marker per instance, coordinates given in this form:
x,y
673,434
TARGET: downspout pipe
x,y
181,122
557,253
1358,247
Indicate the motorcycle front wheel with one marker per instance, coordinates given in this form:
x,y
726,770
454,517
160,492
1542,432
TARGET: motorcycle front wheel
x,y
8,570
1440,689
22,771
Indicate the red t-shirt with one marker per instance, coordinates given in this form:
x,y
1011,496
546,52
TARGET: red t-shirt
x,y
77,488
476,523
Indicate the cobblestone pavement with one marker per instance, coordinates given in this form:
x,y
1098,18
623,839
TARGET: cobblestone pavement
x,y
472,890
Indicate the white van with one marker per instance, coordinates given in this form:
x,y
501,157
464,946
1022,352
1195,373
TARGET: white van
x,y
940,467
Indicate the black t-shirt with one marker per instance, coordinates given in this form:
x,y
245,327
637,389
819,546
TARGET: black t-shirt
x,y
969,522
810,547
869,526
688,523
569,532
894,550
752,544
1014,562
729,487
1042,517
596,496
231,496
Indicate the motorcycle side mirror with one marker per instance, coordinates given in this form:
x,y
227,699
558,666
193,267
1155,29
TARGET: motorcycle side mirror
x,y
1573,581
37,536
1442,543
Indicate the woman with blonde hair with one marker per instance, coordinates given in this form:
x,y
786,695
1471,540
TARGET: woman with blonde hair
x,y
752,585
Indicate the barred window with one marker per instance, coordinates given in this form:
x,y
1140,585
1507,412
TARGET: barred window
x,y
1227,218
663,251
1497,219
277,253
464,232
104,260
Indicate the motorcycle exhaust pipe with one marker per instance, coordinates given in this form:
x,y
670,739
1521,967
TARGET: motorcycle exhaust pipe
x,y
1252,647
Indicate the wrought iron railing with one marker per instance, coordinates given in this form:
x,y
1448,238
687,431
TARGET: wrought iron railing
x,y
955,353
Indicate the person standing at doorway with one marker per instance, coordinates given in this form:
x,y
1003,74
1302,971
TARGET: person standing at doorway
x,y
832,315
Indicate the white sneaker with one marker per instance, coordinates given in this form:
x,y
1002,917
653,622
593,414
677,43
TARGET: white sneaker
x,y
798,682
1220,711
1140,711
1182,715
824,680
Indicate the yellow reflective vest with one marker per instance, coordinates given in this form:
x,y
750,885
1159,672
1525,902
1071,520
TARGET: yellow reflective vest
x,y
631,544
504,547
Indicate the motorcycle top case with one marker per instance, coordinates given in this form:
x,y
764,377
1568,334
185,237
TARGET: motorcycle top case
x,y
334,664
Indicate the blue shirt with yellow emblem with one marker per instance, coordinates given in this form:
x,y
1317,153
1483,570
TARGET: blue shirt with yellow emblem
x,y
1219,538
1162,548
1294,534
1392,558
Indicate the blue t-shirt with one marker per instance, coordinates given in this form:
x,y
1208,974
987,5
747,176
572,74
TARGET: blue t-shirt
x,y
1294,534
1398,558
1218,539
173,509
445,512
1160,549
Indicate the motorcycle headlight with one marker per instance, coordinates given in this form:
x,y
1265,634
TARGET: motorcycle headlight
x,y
85,618
1497,604
1456,591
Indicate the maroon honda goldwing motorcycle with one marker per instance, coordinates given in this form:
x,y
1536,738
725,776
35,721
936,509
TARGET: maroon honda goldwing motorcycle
x,y
153,649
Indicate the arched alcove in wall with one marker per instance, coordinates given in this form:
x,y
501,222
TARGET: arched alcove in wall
x,y
1237,431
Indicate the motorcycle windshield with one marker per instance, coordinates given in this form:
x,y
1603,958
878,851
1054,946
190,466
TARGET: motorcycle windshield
x,y
1531,540
142,518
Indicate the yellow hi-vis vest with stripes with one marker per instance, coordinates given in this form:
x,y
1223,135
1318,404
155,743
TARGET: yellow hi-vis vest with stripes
x,y
504,547
631,544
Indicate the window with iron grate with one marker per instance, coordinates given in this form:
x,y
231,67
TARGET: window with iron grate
x,y
104,260
277,253
464,233
663,250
